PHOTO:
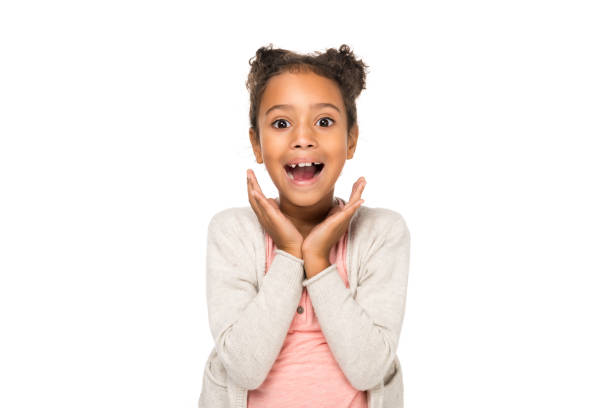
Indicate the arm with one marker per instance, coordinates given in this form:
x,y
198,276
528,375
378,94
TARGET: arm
x,y
363,332
248,327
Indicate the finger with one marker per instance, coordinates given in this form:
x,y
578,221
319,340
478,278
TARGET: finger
x,y
259,200
264,202
334,210
351,208
256,184
254,191
271,210
274,203
250,190
358,187
344,215
347,210
254,199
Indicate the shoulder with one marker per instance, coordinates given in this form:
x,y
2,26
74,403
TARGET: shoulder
x,y
235,220
377,220
378,235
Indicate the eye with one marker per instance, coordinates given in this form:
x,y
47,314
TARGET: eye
x,y
326,119
280,121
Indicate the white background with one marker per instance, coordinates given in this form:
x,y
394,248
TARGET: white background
x,y
124,128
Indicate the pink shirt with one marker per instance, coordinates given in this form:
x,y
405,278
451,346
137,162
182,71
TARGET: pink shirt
x,y
305,373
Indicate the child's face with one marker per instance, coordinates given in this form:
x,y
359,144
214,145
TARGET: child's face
x,y
303,131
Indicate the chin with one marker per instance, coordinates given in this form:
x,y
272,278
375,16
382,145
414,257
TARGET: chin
x,y
304,198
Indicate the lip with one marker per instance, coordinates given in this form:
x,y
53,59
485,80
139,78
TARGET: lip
x,y
303,183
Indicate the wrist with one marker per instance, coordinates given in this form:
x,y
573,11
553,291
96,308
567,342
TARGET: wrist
x,y
314,254
295,252
315,264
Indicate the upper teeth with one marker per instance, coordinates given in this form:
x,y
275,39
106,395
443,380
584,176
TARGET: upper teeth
x,y
303,164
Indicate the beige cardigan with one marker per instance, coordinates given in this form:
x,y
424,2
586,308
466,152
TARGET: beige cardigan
x,y
250,311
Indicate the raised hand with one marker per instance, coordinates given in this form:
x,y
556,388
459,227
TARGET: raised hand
x,y
321,239
284,234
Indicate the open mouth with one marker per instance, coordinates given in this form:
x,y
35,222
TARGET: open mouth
x,y
305,172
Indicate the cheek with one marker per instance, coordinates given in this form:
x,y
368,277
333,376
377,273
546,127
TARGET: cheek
x,y
334,166
337,151
269,150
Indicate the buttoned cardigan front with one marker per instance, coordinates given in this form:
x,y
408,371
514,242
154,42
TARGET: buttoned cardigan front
x,y
250,311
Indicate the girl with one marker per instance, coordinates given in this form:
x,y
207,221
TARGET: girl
x,y
305,292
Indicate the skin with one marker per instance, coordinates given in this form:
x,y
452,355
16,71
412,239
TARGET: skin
x,y
306,222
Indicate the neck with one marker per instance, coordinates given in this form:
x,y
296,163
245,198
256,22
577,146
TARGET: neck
x,y
307,217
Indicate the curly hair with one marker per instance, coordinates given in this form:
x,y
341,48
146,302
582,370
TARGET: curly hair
x,y
339,65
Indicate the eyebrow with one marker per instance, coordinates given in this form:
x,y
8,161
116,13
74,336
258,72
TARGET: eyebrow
x,y
314,105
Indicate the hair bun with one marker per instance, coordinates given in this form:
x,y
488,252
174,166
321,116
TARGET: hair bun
x,y
348,69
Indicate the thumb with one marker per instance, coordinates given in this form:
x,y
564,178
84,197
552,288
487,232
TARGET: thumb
x,y
336,208
273,202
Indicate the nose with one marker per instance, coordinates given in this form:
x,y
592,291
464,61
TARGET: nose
x,y
304,137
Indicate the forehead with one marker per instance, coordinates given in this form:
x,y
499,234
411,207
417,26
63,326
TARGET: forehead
x,y
300,89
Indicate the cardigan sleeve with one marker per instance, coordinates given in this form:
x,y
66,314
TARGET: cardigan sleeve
x,y
363,332
248,326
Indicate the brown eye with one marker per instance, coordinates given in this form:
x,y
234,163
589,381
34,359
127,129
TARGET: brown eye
x,y
326,121
280,121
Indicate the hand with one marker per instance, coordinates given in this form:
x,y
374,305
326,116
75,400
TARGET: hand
x,y
284,234
323,237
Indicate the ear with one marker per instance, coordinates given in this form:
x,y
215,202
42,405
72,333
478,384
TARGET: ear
x,y
255,145
352,140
